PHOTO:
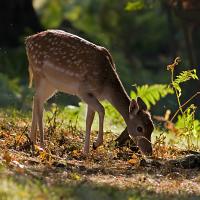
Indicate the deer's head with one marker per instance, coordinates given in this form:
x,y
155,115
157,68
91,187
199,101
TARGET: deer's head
x,y
140,125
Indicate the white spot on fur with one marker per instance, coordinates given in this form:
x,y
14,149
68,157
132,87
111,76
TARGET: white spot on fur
x,y
46,56
39,62
73,57
62,70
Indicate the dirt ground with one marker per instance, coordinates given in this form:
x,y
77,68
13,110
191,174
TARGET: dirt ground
x,y
60,171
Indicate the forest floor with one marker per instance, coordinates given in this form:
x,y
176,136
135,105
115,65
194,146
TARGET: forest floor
x,y
59,171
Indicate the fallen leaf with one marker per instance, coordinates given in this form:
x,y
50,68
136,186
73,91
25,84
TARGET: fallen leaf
x,y
17,164
134,160
38,148
74,176
7,157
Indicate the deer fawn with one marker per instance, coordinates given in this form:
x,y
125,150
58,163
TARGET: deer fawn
x,y
60,61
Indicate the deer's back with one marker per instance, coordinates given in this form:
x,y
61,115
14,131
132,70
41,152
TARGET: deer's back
x,y
70,57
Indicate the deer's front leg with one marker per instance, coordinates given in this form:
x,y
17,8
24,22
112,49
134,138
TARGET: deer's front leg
x,y
89,120
99,140
95,105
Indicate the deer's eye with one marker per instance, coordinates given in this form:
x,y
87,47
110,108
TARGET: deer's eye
x,y
139,129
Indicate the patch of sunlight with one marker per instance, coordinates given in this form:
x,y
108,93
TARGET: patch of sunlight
x,y
37,4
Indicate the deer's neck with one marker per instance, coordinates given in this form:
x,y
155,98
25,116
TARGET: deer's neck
x,y
119,99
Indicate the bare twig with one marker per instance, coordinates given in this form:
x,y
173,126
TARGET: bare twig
x,y
30,143
196,94
17,141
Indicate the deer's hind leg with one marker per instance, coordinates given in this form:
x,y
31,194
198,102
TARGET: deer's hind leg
x,y
43,91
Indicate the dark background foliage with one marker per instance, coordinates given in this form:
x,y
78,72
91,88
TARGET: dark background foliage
x,y
143,37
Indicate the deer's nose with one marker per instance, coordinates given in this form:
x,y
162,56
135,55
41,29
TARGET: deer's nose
x,y
145,146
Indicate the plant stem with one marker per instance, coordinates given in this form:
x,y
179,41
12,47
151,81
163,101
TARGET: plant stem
x,y
192,97
176,92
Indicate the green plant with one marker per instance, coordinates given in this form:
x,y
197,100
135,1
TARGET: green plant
x,y
62,117
151,94
136,5
75,115
10,91
186,123
189,126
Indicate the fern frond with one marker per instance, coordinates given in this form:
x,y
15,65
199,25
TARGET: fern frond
x,y
151,94
183,77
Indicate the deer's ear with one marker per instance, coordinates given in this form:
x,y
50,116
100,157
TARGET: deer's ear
x,y
133,108
141,104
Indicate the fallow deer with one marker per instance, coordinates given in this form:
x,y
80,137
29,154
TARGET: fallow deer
x,y
60,61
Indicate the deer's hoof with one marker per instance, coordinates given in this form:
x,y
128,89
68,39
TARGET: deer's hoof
x,y
94,146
